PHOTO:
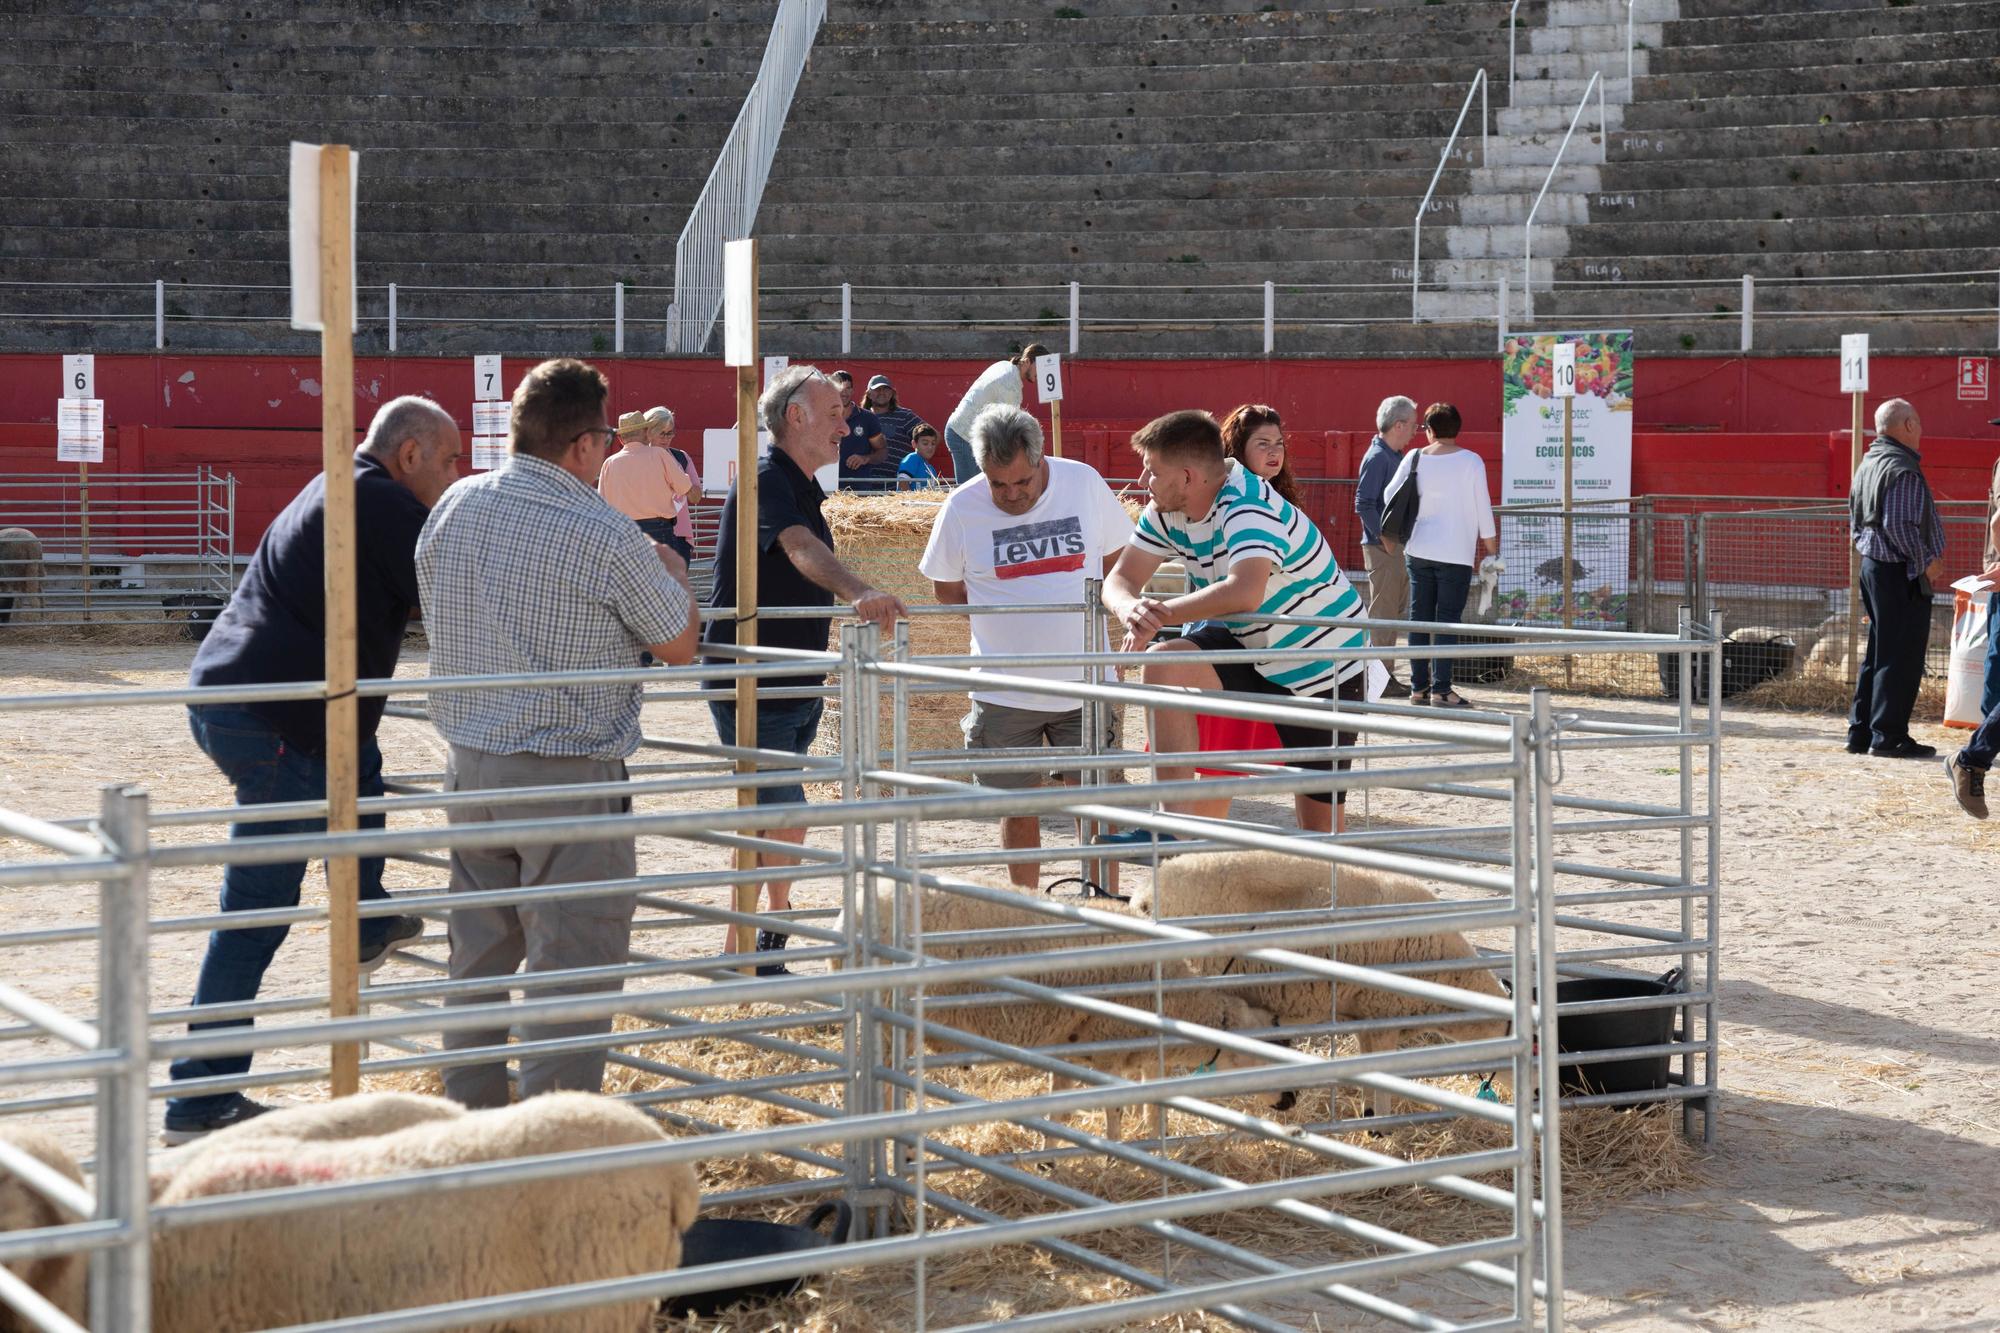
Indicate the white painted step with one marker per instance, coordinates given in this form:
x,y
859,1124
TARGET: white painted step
x,y
1515,179
1568,92
1573,13
1502,242
1575,65
1500,210
1591,37
1555,120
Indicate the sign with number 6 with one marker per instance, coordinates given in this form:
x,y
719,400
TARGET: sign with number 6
x,y
80,376
1048,377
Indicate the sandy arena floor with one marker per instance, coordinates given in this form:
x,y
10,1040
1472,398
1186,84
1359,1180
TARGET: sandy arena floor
x,y
1855,1186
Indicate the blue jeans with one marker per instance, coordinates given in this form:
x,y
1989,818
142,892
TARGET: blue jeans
x,y
1989,699
963,465
1437,592
782,724
264,768
662,531
1978,752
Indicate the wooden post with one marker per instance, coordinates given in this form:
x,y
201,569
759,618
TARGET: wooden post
x,y
343,878
1055,427
746,608
83,528
1854,559
1569,534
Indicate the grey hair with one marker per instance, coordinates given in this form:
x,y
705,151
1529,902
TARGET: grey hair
x,y
1394,410
1001,434
400,419
778,395
1889,413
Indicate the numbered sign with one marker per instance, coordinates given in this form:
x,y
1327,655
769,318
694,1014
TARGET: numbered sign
x,y
773,365
80,430
1565,372
1854,363
1048,376
80,376
487,384
489,433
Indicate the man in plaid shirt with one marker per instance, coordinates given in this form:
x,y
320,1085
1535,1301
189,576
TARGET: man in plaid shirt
x,y
1894,525
524,570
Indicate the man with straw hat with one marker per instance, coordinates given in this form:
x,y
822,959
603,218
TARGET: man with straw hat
x,y
645,481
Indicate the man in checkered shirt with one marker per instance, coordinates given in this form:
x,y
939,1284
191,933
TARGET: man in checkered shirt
x,y
526,570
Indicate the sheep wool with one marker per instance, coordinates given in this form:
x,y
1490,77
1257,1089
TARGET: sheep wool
x,y
444,1245
60,1279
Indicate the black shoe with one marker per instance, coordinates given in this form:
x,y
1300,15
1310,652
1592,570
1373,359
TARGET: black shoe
x,y
401,928
1395,689
1905,749
183,1127
1968,785
771,941
1857,744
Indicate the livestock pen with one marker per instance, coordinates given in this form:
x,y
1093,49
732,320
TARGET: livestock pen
x,y
951,1148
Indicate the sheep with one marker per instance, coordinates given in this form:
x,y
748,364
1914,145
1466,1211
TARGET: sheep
x,y
20,573
423,1249
60,1279
1029,1023
1245,882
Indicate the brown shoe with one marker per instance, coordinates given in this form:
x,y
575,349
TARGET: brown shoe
x,y
1968,785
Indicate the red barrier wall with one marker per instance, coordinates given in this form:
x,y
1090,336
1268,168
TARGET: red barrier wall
x,y
1724,425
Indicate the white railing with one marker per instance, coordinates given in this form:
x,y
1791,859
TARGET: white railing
x,y
1417,232
1596,85
728,205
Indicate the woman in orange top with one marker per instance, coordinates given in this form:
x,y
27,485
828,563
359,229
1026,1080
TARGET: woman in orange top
x,y
644,481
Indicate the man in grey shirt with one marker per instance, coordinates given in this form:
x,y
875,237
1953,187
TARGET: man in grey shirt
x,y
526,569
1388,571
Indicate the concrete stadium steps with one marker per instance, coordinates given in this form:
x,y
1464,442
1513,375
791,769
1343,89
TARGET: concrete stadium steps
x,y
1881,50
365,133
253,109
1262,79
321,25
393,71
384,182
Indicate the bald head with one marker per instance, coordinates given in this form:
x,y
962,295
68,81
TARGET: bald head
x,y
1898,420
418,442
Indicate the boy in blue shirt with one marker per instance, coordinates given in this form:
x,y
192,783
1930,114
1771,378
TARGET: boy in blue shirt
x,y
915,472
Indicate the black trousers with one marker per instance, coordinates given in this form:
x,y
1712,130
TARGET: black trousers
x,y
1899,630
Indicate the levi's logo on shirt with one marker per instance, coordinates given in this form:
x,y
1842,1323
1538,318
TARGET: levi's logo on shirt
x,y
1051,547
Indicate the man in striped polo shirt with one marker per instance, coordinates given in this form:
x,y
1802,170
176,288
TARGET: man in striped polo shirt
x,y
1248,553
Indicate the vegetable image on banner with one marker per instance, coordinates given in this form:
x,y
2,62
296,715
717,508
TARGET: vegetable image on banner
x,y
1599,573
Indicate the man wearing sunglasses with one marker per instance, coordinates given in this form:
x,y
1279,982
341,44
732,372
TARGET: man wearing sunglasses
x,y
526,569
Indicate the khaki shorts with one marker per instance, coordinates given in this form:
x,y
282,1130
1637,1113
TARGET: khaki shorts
x,y
1001,727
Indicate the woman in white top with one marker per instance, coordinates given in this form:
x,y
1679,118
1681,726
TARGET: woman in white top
x,y
1002,382
1454,528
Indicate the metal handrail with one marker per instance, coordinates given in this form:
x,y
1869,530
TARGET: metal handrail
x,y
1417,232
728,204
1595,85
1511,11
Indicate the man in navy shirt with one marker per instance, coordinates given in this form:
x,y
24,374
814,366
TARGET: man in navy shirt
x,y
796,566
274,630
863,448
1388,570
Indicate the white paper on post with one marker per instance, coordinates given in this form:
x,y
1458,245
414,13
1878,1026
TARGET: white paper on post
x,y
1048,377
305,234
1565,370
80,376
1854,363
80,430
486,381
772,365
739,303
489,434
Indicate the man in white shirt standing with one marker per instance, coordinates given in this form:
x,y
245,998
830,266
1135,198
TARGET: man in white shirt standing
x,y
1027,530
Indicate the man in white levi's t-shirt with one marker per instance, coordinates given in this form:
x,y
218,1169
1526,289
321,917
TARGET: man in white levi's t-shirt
x,y
1027,531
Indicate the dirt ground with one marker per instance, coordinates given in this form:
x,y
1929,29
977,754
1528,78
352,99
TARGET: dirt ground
x,y
1855,1183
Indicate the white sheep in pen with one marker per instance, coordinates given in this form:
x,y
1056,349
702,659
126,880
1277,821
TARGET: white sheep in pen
x,y
421,1249
1256,882
1031,1023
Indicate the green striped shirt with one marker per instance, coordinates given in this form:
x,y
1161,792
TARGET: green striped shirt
x,y
1249,520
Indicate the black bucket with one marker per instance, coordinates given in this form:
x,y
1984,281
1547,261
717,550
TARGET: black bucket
x,y
715,1240
1607,1032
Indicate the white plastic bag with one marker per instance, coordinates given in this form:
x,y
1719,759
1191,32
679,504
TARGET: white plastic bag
x,y
1965,684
